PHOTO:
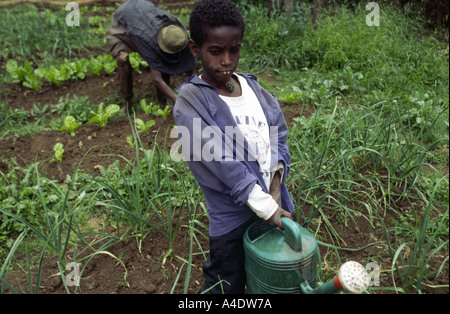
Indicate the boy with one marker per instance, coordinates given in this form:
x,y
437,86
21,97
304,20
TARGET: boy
x,y
241,181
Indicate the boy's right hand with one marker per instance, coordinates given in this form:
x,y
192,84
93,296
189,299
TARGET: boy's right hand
x,y
275,220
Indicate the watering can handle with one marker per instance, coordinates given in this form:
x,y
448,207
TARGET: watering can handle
x,y
292,234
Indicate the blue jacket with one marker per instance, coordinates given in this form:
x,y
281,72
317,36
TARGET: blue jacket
x,y
226,183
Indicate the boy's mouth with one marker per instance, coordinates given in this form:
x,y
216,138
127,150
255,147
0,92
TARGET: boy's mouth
x,y
226,72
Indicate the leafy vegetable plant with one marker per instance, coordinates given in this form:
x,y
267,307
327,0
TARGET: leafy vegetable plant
x,y
130,141
164,113
148,107
142,126
102,116
59,151
102,62
68,70
137,62
72,70
23,74
71,125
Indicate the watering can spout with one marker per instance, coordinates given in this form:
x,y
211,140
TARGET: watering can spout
x,y
352,278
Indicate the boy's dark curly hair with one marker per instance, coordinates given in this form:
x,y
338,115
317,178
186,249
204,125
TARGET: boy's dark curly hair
x,y
213,13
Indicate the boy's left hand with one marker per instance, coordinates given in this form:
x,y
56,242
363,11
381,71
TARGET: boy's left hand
x,y
275,220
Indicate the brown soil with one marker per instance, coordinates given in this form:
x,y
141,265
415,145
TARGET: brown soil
x,y
137,272
101,147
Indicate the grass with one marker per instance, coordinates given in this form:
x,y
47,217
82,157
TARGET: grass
x,y
395,64
43,34
381,117
381,99
151,194
55,232
353,166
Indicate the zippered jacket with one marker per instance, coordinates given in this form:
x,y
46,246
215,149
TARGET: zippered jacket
x,y
219,161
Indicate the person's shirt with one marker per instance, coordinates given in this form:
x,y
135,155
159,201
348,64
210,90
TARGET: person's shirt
x,y
252,122
227,171
141,21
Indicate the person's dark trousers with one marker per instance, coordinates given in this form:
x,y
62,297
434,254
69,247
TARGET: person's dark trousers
x,y
125,79
224,270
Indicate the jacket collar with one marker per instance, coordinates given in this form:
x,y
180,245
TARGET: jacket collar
x,y
195,79
251,80
219,109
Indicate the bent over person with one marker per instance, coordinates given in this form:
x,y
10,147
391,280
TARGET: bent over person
x,y
159,37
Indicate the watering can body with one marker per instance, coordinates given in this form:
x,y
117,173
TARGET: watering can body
x,y
279,261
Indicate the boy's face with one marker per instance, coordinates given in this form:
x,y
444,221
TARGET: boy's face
x,y
219,54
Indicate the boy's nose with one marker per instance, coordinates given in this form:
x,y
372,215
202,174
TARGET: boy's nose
x,y
226,60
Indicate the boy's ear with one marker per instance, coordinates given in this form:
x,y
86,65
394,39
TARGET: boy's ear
x,y
195,49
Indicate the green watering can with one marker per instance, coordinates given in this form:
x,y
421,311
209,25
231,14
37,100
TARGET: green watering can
x,y
285,261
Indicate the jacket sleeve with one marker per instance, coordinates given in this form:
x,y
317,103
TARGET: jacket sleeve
x,y
278,133
281,153
199,136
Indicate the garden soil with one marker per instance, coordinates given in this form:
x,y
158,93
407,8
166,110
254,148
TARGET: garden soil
x,y
102,146
145,270
140,271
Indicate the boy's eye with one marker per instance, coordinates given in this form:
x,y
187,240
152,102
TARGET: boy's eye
x,y
236,49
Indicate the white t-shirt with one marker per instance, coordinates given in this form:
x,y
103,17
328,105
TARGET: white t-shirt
x,y
252,122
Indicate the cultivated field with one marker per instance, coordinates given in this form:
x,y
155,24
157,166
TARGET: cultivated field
x,y
367,109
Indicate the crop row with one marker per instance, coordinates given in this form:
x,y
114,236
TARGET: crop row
x,y
101,118
69,70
